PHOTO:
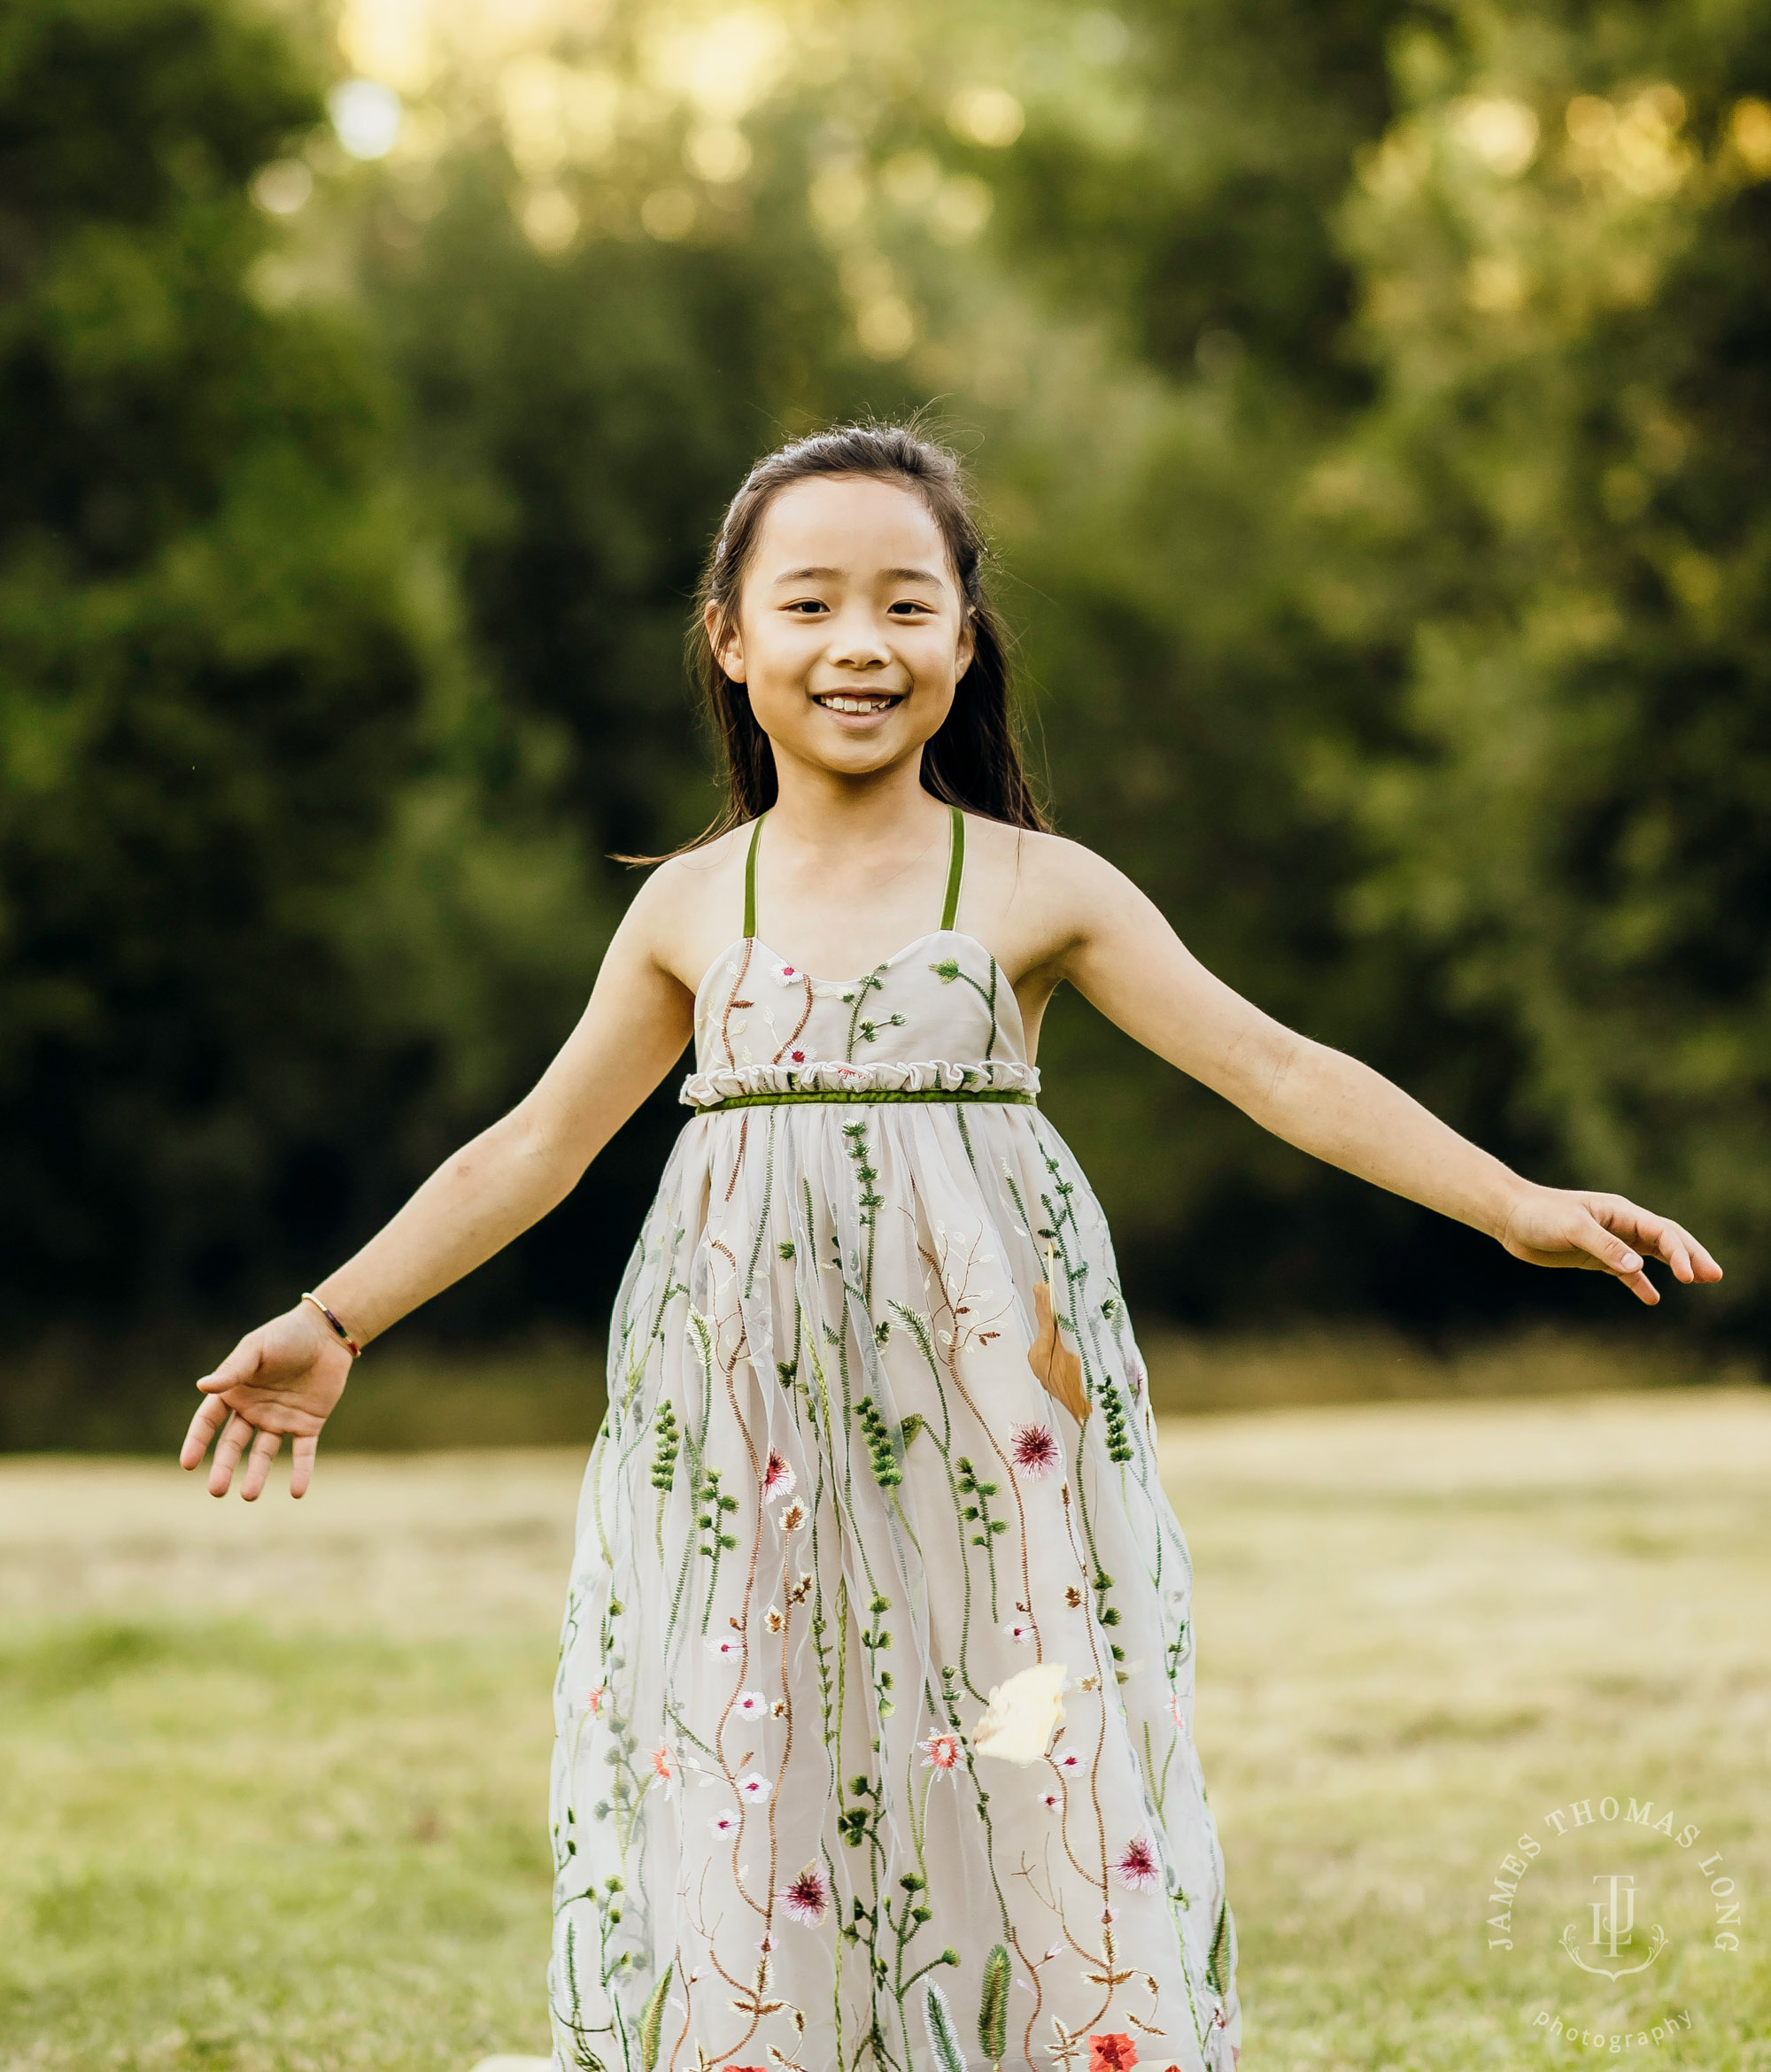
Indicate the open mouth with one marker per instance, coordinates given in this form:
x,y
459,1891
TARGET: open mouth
x,y
862,703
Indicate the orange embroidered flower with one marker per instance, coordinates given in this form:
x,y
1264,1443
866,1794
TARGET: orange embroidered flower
x,y
1111,2053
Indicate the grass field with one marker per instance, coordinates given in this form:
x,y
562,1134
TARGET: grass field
x,y
273,1781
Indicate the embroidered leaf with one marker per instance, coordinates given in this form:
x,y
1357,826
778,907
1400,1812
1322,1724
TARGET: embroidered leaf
x,y
1057,1367
652,2022
911,1426
1220,1948
943,2038
993,2012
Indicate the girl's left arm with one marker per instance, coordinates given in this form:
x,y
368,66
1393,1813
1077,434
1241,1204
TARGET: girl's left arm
x,y
1120,953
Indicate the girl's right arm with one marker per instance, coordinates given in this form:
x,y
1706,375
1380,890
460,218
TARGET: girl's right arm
x,y
284,1379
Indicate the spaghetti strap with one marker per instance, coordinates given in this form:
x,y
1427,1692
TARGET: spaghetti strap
x,y
955,870
750,880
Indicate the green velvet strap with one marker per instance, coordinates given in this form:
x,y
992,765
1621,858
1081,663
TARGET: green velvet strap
x,y
1017,1098
750,880
955,870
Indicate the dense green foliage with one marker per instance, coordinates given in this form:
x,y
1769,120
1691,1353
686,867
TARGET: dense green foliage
x,y
1373,412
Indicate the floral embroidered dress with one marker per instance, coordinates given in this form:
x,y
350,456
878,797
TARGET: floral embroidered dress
x,y
877,1672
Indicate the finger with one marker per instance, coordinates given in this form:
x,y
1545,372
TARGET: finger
x,y
209,1420
301,1465
258,1464
229,1448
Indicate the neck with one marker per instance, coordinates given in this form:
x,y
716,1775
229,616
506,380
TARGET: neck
x,y
826,808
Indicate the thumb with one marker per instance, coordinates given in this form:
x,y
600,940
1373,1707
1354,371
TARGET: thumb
x,y
1608,1249
240,1366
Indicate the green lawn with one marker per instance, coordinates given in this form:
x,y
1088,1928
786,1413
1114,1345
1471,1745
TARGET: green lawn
x,y
273,1781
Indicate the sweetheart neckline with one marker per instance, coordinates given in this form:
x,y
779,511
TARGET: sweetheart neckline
x,y
897,956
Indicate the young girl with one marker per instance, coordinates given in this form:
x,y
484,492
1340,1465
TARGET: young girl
x,y
876,1691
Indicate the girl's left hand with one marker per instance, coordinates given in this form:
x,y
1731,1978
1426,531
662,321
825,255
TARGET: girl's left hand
x,y
1603,1234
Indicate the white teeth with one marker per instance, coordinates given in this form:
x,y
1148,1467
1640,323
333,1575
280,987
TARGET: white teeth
x,y
839,703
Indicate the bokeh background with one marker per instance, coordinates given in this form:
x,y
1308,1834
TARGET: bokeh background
x,y
1370,404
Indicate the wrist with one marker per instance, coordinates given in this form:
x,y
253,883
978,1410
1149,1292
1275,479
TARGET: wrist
x,y
318,1308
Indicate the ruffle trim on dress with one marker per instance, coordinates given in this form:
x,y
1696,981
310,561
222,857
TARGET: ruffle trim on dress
x,y
989,1075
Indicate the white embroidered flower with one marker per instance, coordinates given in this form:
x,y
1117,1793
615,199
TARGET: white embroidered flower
x,y
751,1705
797,1056
1051,1800
664,1768
727,1646
752,1788
1070,1764
786,975
778,1478
727,1822
1023,1714
1020,1631
793,1517
773,1619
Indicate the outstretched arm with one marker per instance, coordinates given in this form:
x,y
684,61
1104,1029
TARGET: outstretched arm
x,y
1121,954
284,1379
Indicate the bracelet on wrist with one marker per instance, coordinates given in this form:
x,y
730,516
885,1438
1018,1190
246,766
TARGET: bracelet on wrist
x,y
338,1330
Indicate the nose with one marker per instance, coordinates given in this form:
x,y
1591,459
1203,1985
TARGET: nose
x,y
855,643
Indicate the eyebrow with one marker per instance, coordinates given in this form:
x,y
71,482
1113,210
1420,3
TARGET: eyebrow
x,y
892,574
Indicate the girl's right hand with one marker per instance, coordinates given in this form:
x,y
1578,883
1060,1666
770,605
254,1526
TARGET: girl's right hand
x,y
282,1380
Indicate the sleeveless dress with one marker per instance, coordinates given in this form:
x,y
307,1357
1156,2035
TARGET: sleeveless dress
x,y
877,1667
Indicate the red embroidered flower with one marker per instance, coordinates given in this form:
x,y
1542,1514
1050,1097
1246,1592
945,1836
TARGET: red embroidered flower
x,y
1033,1449
806,1898
778,1478
941,1751
1111,2053
1137,1869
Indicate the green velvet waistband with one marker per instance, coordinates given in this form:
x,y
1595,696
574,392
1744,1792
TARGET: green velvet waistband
x,y
1019,1099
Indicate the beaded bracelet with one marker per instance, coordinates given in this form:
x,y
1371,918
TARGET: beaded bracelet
x,y
345,1337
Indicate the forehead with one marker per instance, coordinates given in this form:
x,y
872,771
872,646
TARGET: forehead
x,y
853,522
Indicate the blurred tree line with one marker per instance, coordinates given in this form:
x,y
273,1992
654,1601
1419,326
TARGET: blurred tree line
x,y
1369,401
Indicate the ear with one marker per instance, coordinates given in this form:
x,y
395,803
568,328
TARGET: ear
x,y
965,648
729,652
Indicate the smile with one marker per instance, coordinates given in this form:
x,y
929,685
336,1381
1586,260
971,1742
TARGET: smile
x,y
862,702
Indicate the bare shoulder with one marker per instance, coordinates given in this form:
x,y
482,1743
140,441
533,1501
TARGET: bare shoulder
x,y
1042,894
690,906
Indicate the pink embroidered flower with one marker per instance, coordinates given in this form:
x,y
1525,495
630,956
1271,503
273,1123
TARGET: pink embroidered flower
x,y
1135,1375
1051,1800
1071,1763
807,1897
1174,1712
751,1705
752,1788
1033,1449
594,1704
940,1751
778,1478
1111,2053
1020,1631
1137,1868
797,1056
727,1646
727,1822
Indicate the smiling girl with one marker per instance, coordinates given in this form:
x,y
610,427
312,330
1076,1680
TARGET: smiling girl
x,y
875,1700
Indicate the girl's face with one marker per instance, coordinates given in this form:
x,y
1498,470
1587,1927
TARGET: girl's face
x,y
851,631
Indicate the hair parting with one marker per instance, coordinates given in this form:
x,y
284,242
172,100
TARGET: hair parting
x,y
975,760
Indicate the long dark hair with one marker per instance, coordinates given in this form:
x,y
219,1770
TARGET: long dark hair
x,y
974,761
